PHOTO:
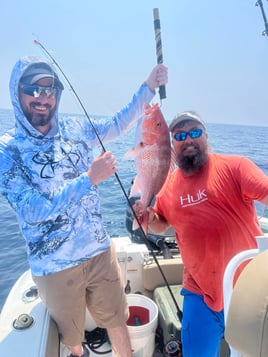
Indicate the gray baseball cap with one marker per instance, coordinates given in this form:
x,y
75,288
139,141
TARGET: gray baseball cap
x,y
184,116
40,70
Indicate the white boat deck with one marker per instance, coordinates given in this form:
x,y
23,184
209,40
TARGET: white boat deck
x,y
101,350
41,339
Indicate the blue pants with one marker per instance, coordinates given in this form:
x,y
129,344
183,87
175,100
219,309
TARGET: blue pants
x,y
202,328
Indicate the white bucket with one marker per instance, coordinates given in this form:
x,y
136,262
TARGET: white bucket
x,y
142,324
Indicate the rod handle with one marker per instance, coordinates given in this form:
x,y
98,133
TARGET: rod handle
x,y
158,42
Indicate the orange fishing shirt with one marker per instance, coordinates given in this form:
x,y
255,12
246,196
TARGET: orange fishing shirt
x,y
214,216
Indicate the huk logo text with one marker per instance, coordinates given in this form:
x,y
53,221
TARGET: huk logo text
x,y
190,200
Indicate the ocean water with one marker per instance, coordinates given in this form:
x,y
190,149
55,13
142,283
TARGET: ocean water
x,y
250,141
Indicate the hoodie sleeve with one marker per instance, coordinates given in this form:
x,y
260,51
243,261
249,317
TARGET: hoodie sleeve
x,y
30,204
126,118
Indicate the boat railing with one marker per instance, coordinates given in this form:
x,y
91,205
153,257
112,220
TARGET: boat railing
x,y
228,280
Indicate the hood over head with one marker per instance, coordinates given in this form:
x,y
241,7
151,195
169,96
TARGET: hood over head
x,y
29,70
37,71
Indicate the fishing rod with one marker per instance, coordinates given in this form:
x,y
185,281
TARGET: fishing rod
x,y
260,4
162,95
158,43
146,240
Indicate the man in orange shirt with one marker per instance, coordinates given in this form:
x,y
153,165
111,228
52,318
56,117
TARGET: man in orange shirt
x,y
209,200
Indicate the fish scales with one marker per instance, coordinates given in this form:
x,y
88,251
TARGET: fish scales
x,y
153,157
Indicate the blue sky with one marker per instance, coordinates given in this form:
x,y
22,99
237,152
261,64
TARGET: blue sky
x,y
217,57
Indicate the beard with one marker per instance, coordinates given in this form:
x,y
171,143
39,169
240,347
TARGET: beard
x,y
190,164
39,119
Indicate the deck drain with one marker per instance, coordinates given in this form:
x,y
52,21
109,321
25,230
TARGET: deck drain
x,y
23,321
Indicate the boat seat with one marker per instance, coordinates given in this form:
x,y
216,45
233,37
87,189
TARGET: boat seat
x,y
152,278
247,320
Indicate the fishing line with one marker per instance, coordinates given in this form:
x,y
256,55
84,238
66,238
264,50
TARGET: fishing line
x,y
116,175
91,123
162,94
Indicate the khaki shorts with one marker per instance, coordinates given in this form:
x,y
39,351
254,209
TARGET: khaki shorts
x,y
96,284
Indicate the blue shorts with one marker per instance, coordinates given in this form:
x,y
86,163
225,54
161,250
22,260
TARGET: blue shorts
x,y
202,328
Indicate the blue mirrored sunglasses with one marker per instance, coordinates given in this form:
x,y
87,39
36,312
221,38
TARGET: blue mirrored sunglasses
x,y
35,90
182,135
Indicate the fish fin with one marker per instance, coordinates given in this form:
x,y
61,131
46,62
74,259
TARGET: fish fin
x,y
130,154
135,225
143,222
172,168
173,161
135,190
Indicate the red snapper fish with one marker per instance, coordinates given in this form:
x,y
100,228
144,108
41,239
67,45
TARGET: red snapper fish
x,y
152,154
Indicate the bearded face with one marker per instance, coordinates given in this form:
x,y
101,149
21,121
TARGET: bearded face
x,y
193,161
39,110
192,152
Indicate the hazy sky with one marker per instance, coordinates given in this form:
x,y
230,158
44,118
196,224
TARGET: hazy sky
x,y
217,57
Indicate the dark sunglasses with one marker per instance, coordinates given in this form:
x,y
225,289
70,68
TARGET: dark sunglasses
x,y
182,135
35,90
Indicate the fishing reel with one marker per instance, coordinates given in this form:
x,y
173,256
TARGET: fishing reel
x,y
173,349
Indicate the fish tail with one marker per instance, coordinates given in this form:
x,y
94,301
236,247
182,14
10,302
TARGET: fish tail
x,y
135,225
143,222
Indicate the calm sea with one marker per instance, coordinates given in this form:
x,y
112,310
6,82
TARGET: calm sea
x,y
250,141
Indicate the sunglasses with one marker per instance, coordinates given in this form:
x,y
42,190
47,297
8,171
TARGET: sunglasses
x,y
35,90
182,135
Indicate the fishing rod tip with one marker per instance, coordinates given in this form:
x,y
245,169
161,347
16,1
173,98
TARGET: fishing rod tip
x,y
36,42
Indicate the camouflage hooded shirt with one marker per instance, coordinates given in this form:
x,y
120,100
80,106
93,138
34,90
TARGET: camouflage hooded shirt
x,y
44,179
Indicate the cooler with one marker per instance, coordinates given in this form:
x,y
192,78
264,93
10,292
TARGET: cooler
x,y
167,312
168,319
